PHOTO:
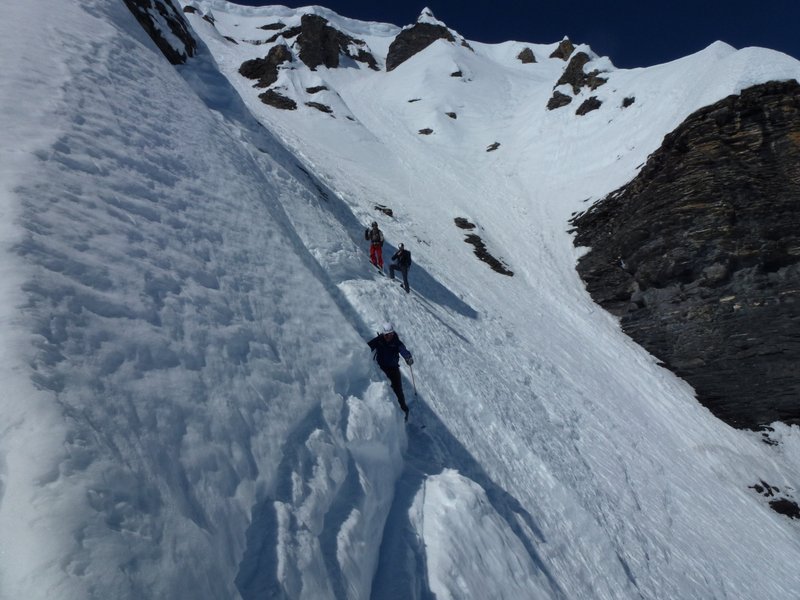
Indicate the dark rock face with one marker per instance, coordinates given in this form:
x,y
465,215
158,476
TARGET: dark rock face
x,y
316,89
779,502
321,44
273,98
558,100
273,26
480,248
626,102
700,254
574,75
320,107
588,105
564,50
286,34
526,56
414,40
266,69
168,18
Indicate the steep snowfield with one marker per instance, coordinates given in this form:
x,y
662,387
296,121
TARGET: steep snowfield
x,y
189,409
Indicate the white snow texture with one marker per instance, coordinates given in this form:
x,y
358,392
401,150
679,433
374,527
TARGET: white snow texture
x,y
190,409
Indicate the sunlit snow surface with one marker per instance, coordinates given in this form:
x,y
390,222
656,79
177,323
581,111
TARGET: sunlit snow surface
x,y
189,408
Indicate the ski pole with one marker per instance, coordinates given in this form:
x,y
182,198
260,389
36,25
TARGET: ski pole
x,y
413,383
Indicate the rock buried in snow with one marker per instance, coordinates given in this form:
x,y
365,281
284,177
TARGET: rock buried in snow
x,y
320,107
265,70
493,147
483,254
276,100
574,75
526,56
426,131
564,50
588,105
558,100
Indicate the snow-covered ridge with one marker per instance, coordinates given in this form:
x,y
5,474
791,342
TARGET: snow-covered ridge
x,y
206,421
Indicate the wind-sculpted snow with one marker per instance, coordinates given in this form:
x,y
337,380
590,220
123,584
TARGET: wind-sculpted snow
x,y
184,347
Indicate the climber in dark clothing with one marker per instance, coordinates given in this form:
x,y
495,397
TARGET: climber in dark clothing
x,y
387,349
401,260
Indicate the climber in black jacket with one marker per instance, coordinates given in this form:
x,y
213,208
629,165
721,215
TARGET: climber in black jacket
x,y
387,349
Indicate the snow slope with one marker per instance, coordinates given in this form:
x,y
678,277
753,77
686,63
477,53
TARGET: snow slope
x,y
190,410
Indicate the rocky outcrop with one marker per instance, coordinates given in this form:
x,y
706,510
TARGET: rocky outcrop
x,y
700,254
626,102
320,44
320,107
277,100
413,40
265,70
273,26
166,26
558,100
480,248
526,56
574,75
564,50
588,105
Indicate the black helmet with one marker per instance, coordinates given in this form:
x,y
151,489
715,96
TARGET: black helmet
x,y
374,223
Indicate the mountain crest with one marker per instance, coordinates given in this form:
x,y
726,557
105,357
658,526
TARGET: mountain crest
x,y
414,39
427,16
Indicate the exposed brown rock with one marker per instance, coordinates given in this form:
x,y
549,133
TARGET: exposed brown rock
x,y
564,50
526,56
286,34
321,44
700,254
558,100
320,107
413,40
463,223
266,69
273,26
483,254
178,28
588,105
273,98
574,75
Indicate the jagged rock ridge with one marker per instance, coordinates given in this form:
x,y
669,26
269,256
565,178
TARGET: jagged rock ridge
x,y
700,254
156,15
414,39
321,44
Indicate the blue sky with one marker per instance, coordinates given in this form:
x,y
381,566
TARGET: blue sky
x,y
632,33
